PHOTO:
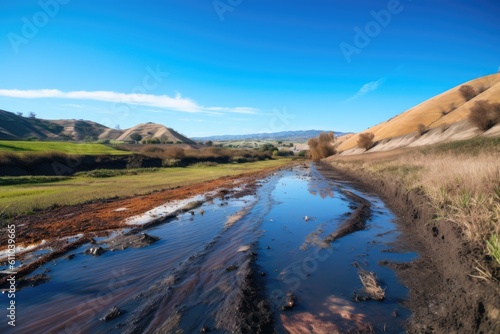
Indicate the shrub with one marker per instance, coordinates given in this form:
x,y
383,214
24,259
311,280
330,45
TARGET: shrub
x,y
451,108
152,149
484,115
240,159
136,137
175,153
322,146
172,163
302,153
366,140
481,89
421,129
467,92
285,153
268,147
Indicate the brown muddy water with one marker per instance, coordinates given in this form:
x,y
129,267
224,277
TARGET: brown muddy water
x,y
273,251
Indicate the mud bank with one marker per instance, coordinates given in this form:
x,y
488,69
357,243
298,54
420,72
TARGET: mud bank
x,y
443,297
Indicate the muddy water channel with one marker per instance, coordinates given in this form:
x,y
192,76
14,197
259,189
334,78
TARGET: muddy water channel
x,y
292,257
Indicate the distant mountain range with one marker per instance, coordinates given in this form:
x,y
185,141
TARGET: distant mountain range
x,y
17,127
296,136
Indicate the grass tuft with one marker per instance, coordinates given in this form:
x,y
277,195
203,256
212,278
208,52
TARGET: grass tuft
x,y
371,285
493,245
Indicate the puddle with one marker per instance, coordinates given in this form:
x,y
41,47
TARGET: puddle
x,y
193,276
324,277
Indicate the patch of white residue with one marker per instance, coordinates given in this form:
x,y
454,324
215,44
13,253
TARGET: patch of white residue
x,y
18,249
243,248
75,237
121,209
162,211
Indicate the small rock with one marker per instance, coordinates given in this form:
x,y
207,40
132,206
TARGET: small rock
x,y
231,268
114,312
191,212
96,251
148,238
290,302
70,256
204,329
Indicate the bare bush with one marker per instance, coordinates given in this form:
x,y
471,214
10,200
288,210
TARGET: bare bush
x,y
152,149
482,89
421,129
366,140
467,92
322,146
175,153
484,115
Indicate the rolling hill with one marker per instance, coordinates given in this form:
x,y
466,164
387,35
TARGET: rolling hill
x,y
16,127
152,130
448,109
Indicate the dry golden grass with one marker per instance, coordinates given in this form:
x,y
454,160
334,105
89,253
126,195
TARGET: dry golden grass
x,y
462,183
371,285
446,108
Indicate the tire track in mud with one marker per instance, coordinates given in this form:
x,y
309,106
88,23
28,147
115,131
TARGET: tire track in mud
x,y
356,221
216,289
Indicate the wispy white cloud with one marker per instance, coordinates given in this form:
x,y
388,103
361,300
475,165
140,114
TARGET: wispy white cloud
x,y
238,119
191,120
72,105
177,103
366,88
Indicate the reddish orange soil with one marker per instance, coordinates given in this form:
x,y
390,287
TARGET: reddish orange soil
x,y
101,216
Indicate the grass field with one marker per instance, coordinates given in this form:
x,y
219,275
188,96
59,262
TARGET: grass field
x,y
63,147
19,195
461,179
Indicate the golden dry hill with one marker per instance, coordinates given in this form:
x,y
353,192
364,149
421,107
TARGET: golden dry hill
x,y
153,130
444,109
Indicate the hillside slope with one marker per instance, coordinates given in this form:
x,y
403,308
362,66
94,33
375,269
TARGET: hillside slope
x,y
15,127
80,129
444,109
153,130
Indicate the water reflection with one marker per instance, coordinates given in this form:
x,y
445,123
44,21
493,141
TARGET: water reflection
x,y
320,186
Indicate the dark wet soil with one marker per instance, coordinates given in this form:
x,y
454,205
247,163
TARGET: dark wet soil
x,y
443,297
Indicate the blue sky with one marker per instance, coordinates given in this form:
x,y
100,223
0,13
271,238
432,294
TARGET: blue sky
x,y
208,67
